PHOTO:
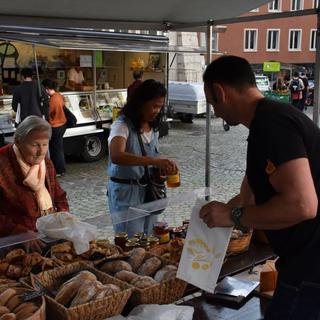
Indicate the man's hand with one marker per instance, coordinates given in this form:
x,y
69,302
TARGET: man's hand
x,y
216,214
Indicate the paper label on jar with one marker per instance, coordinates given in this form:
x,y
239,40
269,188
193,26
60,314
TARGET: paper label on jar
x,y
173,178
164,238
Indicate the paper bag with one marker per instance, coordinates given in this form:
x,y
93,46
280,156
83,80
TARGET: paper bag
x,y
63,225
203,252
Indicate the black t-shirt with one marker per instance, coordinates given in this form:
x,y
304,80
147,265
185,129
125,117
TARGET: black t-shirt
x,y
280,133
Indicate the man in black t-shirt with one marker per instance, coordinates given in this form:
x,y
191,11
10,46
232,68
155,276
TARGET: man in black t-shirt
x,y
280,191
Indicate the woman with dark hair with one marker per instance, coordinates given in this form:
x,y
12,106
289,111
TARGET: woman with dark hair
x,y
58,121
140,116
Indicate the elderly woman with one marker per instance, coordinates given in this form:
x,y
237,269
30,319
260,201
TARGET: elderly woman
x,y
140,116
28,184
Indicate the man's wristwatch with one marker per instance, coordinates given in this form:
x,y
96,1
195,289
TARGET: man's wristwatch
x,y
236,215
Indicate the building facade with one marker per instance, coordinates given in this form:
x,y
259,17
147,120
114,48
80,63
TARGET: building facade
x,y
291,41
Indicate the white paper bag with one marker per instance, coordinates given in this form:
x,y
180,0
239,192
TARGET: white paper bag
x,y
203,252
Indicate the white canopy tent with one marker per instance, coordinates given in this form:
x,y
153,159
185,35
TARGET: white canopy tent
x,y
176,15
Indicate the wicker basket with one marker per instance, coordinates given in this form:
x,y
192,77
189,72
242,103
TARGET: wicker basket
x,y
94,310
40,314
240,244
161,293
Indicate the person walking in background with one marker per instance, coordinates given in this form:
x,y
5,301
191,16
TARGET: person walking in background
x,y
281,187
137,76
296,88
58,122
27,100
305,91
126,165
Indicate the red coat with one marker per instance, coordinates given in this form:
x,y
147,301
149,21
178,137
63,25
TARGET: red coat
x,y
18,206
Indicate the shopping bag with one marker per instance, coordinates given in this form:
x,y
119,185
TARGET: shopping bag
x,y
71,118
203,252
63,225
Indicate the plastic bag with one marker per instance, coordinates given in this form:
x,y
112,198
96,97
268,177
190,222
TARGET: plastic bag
x,y
63,225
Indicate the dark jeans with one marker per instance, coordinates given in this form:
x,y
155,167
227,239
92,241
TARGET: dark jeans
x,y
292,303
298,104
56,149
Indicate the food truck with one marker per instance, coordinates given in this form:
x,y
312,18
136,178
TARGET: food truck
x,y
107,73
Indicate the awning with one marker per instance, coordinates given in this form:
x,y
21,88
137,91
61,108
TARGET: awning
x,y
81,39
121,14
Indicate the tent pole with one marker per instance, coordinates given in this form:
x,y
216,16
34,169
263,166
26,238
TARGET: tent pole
x,y
316,94
208,113
94,71
36,65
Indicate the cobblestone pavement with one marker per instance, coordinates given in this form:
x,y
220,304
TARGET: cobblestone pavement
x,y
85,183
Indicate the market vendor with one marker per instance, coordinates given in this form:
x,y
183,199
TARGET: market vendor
x,y
28,185
75,78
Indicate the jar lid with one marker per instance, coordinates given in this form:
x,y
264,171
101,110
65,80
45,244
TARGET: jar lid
x,y
160,224
133,240
121,235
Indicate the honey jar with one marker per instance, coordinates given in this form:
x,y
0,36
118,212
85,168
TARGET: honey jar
x,y
173,180
120,239
177,232
161,230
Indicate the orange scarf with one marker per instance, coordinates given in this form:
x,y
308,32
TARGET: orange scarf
x,y
35,179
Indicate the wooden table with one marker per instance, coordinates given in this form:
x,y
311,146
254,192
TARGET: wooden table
x,y
205,308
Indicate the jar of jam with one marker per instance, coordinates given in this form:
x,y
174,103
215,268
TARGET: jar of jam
x,y
161,230
177,232
154,241
120,239
173,180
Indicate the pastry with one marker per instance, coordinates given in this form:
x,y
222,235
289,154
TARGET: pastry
x,y
67,257
143,282
115,266
3,310
32,259
137,256
14,271
150,266
113,287
8,316
68,290
125,275
64,247
15,255
4,264
26,271
6,296
166,273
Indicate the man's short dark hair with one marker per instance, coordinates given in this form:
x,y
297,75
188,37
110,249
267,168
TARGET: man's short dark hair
x,y
137,74
231,70
26,72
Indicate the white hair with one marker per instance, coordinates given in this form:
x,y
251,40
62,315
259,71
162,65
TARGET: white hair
x,y
31,123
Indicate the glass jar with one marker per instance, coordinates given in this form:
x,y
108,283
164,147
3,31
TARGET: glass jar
x,y
130,245
177,232
154,241
161,230
145,244
120,239
139,235
173,181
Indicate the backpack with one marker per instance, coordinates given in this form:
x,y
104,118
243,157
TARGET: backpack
x,y
295,85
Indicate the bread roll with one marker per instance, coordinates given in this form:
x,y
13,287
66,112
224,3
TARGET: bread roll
x,y
150,266
137,256
26,312
115,266
14,271
86,292
8,316
13,302
167,272
69,289
26,306
143,282
32,259
6,296
14,255
126,276
4,264
3,310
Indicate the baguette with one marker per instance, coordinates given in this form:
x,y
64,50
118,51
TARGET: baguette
x,y
8,316
6,295
3,310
